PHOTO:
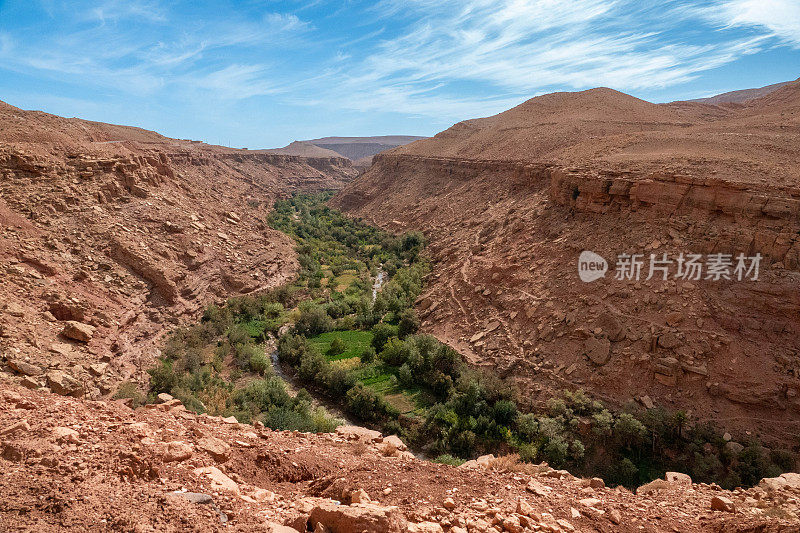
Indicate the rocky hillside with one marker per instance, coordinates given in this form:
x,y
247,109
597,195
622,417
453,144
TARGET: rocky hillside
x,y
72,465
510,201
112,235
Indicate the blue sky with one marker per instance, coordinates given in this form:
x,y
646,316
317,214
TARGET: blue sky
x,y
263,73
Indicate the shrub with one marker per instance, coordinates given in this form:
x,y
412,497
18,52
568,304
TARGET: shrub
x,y
259,362
381,333
129,390
312,320
368,355
338,347
162,377
447,459
409,323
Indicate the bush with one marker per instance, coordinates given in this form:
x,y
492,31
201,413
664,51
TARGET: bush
x,y
337,347
381,333
447,459
129,390
259,362
368,355
312,320
162,377
409,323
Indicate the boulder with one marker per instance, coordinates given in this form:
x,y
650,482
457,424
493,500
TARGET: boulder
x,y
64,434
216,448
78,331
597,350
177,451
395,441
678,478
219,481
24,368
359,433
721,503
734,448
64,384
361,517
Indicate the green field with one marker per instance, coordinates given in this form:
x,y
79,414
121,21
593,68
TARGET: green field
x,y
355,342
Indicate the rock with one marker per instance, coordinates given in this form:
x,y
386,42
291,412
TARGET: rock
x,y
177,451
449,504
395,441
721,503
524,508
485,460
565,525
669,340
678,478
727,437
597,483
359,433
734,448
230,420
20,427
24,368
219,481
14,309
597,350
98,369
537,488
30,383
78,331
589,502
667,381
359,496
64,434
216,448
64,384
653,486
425,527
674,318
164,397
574,513
647,402
352,518
615,516
194,497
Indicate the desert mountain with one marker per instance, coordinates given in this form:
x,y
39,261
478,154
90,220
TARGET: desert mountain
x,y
111,233
510,201
358,149
740,96
303,148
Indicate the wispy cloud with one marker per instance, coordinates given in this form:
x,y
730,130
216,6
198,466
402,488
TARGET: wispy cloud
x,y
779,18
444,60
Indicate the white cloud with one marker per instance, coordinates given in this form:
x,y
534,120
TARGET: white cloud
x,y
513,49
781,18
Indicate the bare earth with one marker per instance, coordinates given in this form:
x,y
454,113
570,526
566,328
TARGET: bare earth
x,y
72,465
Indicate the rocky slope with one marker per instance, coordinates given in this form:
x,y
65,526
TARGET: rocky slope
x,y
76,465
509,202
112,235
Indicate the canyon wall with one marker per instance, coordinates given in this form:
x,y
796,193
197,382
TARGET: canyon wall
x,y
505,239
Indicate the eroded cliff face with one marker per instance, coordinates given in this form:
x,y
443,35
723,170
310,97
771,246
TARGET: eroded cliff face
x,y
505,239
128,234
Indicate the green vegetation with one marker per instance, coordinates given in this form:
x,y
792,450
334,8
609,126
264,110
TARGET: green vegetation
x,y
368,357
218,367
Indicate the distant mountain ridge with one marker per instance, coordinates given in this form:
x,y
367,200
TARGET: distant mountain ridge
x,y
740,96
358,149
